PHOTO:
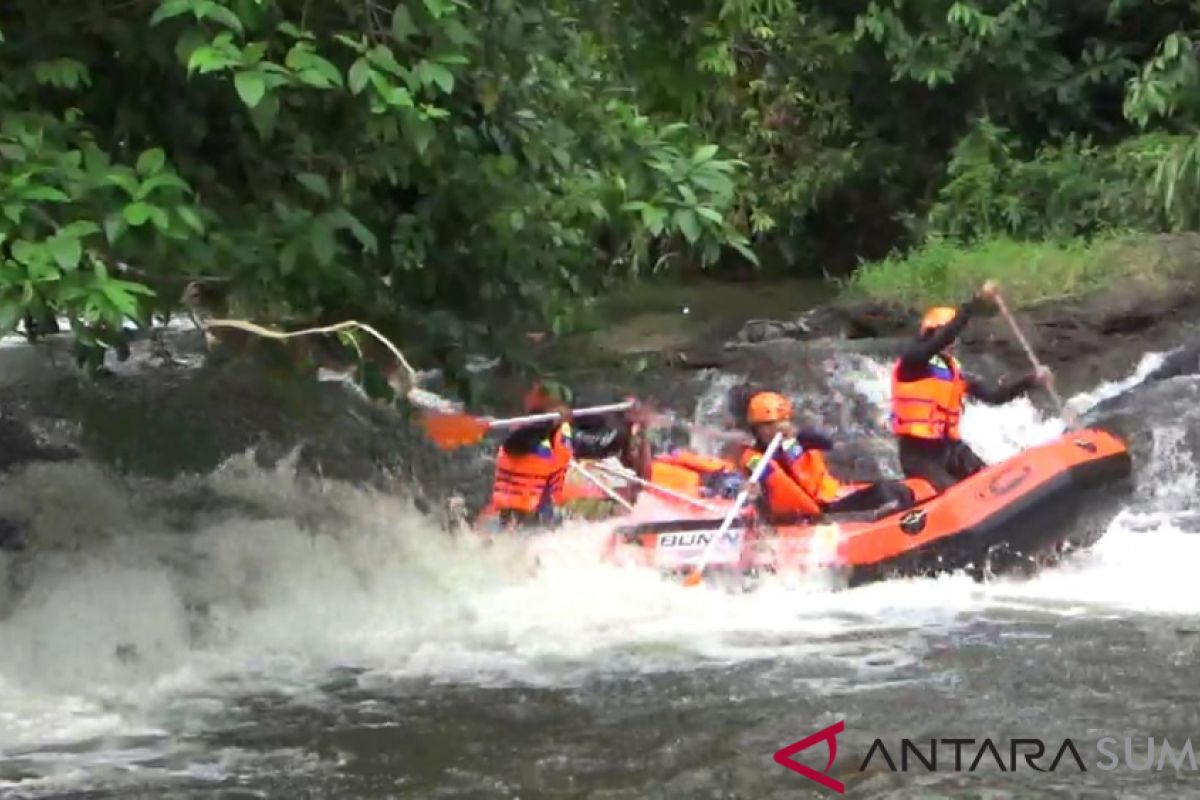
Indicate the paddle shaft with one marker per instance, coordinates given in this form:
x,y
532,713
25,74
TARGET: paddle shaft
x,y
742,497
516,422
1033,359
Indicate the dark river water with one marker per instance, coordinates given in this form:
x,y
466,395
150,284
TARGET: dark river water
x,y
333,643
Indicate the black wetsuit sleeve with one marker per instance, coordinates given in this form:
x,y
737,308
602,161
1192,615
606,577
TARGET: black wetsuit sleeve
x,y
526,440
919,351
595,442
999,395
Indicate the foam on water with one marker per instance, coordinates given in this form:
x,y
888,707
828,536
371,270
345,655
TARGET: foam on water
x,y
129,628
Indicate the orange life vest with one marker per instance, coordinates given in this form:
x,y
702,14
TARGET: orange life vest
x,y
685,471
524,483
798,486
930,407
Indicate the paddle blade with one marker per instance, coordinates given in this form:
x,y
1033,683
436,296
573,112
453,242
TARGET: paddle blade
x,y
449,431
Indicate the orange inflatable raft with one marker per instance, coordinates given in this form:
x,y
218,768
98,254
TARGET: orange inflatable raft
x,y
1041,501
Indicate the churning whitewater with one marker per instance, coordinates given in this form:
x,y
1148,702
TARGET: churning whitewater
x,y
146,622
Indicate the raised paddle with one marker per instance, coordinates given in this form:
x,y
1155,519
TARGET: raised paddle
x,y
698,573
449,430
1067,414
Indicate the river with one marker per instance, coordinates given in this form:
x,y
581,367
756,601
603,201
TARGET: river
x,y
329,641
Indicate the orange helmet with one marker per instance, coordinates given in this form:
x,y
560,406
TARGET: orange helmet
x,y
768,407
937,317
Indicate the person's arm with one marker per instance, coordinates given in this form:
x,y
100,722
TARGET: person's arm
x,y
998,395
919,350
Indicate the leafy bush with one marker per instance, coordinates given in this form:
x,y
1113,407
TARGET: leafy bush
x,y
432,163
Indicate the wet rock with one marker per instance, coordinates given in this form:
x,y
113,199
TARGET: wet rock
x,y
823,321
1184,360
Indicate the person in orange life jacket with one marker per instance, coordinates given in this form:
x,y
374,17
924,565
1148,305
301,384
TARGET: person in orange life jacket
x,y
533,460
928,390
798,482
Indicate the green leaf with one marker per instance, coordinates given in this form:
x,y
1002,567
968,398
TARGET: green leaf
x,y
209,59
746,252
79,229
25,251
168,9
402,23
323,243
360,232
312,68
114,226
120,300
125,178
654,218
250,87
136,214
162,180
11,311
419,132
704,153
431,73
685,220
66,250
442,77
315,184
398,96
160,218
436,8
189,42
291,30
190,218
710,214
360,74
45,194
264,116
151,161
224,16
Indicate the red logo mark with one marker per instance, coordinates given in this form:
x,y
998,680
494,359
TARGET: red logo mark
x,y
784,757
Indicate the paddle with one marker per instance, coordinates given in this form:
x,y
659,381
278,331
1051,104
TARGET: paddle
x,y
1068,416
449,430
744,495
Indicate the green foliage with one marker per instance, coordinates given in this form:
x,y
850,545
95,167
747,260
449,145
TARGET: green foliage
x,y
945,272
1066,189
455,167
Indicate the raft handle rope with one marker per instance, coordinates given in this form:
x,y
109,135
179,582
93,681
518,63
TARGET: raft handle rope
x,y
654,487
601,485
